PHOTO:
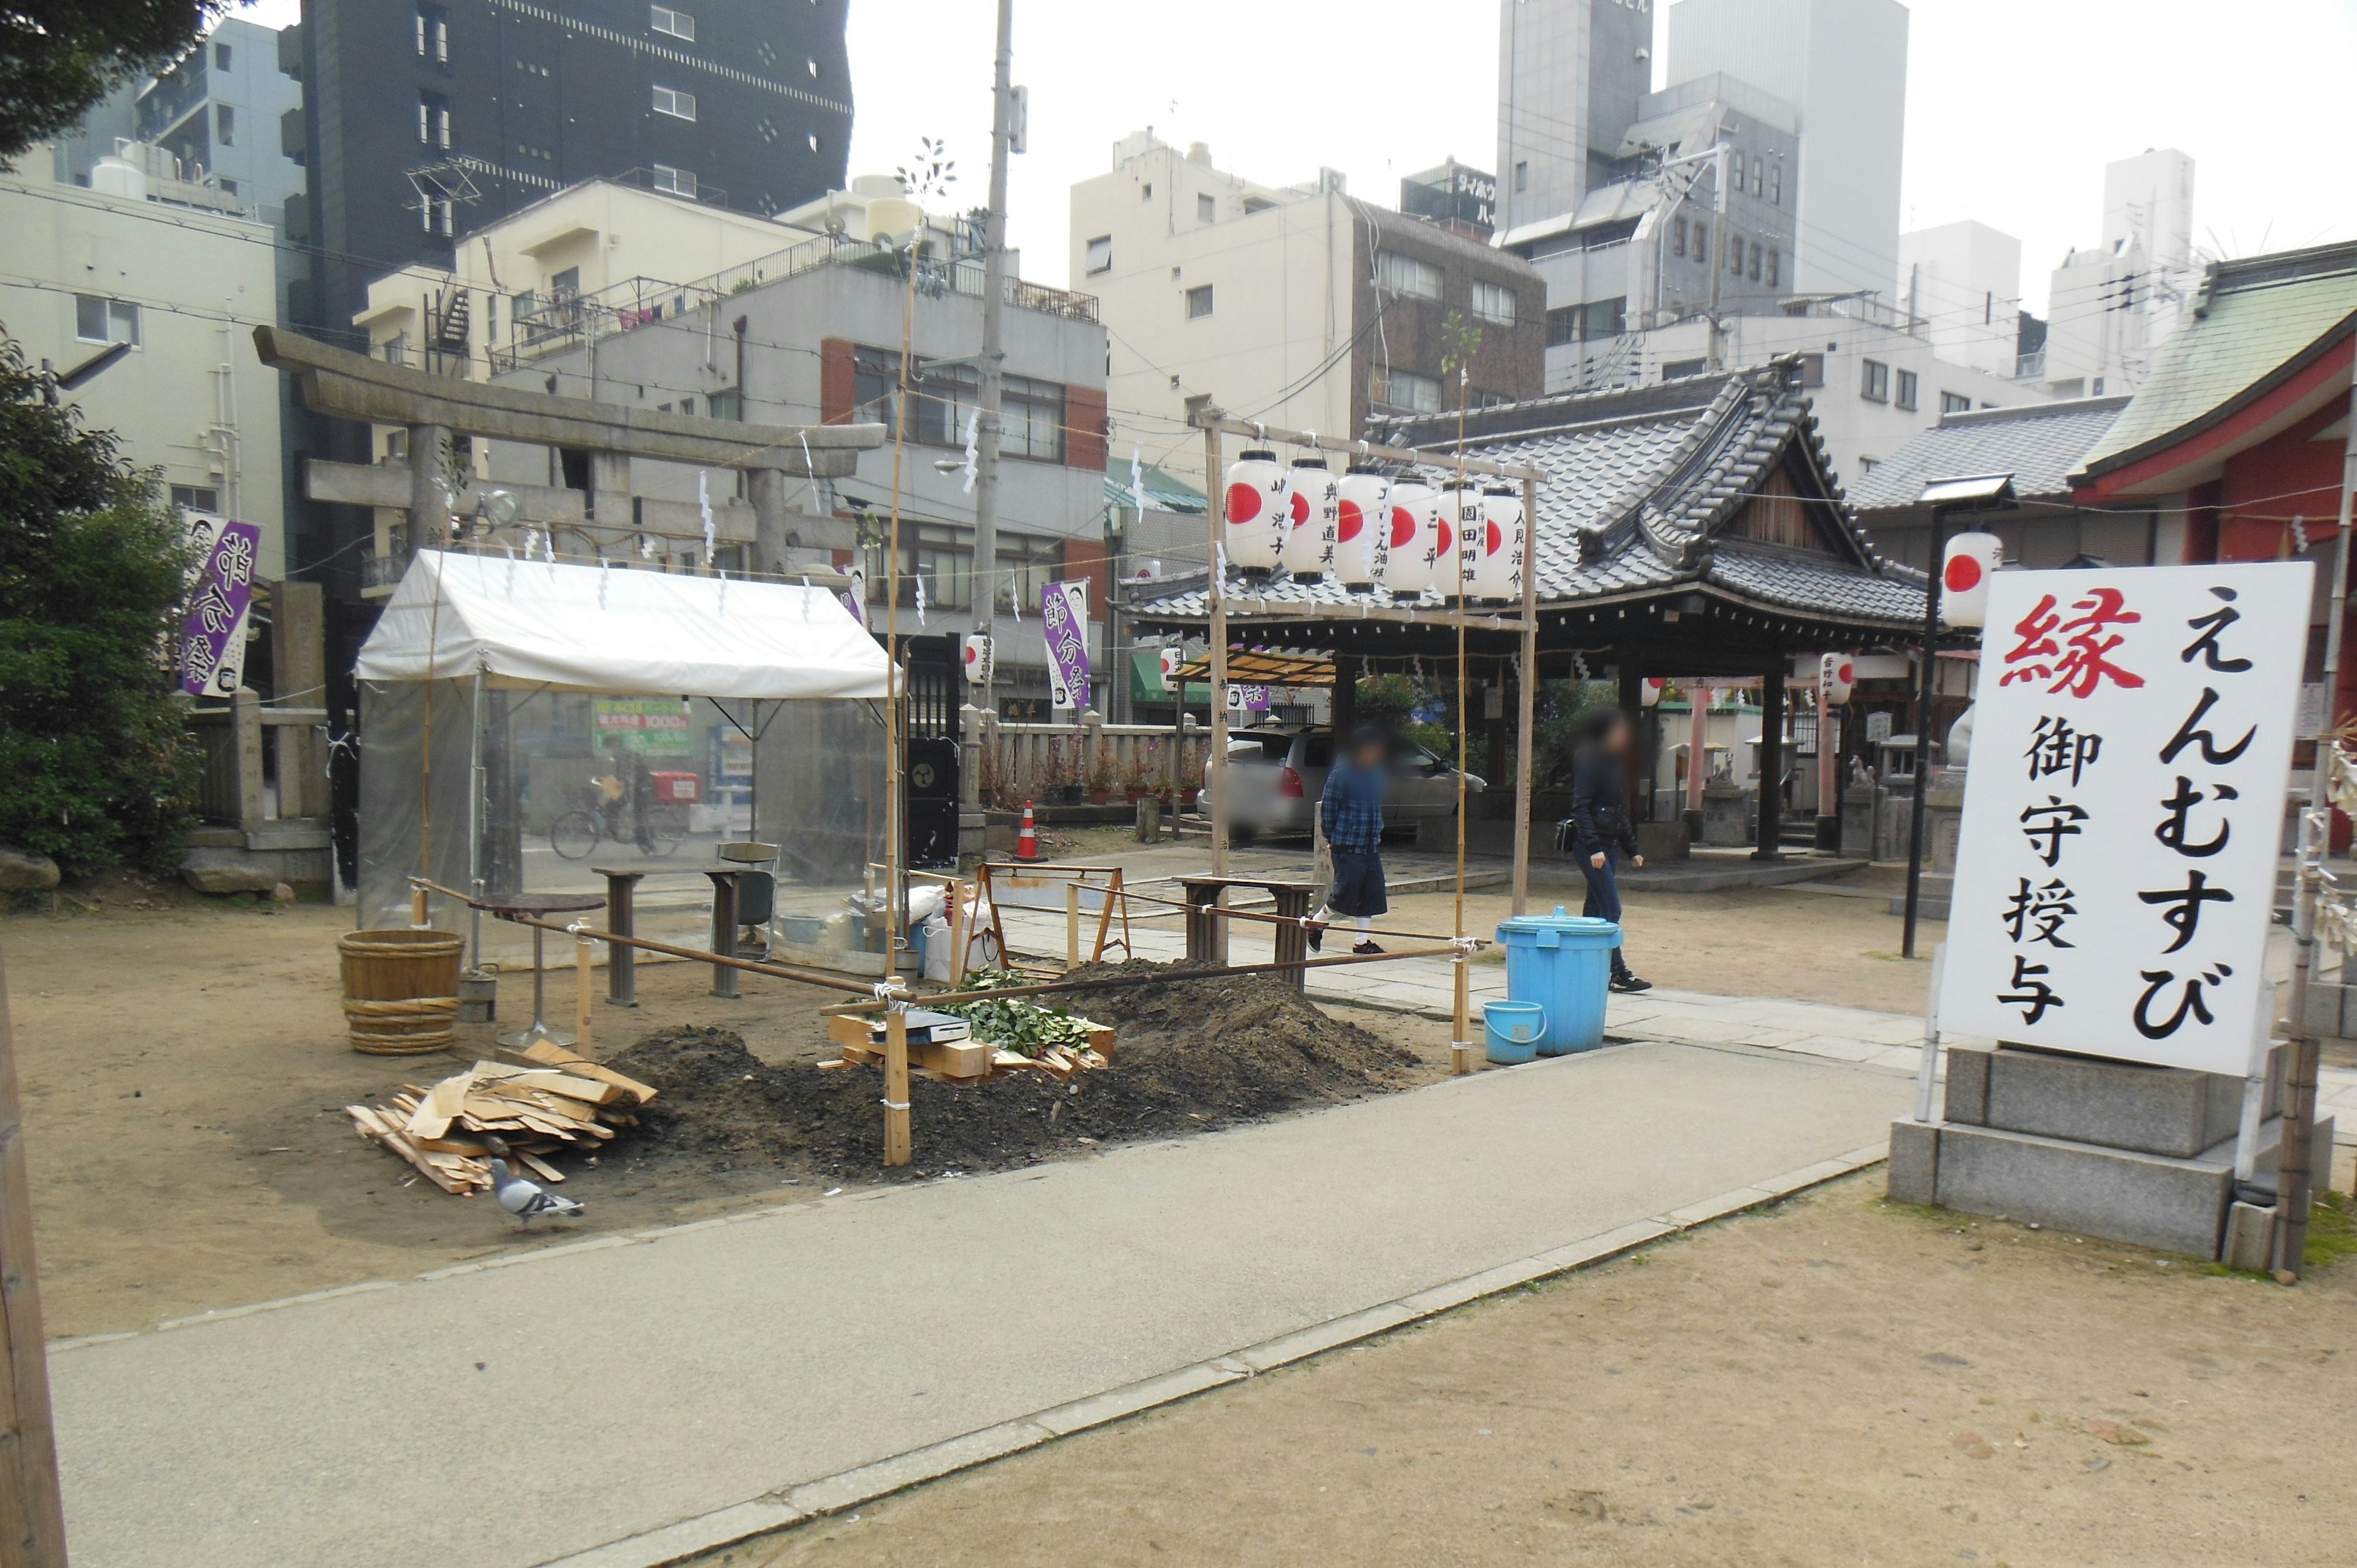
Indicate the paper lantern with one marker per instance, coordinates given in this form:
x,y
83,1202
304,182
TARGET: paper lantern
x,y
1255,513
1497,570
1972,560
1313,506
1836,673
978,658
1172,657
1458,561
1360,528
1648,692
1412,537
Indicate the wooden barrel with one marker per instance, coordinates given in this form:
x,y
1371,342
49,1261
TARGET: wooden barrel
x,y
401,990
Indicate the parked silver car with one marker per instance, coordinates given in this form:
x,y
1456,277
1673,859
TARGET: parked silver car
x,y
1275,775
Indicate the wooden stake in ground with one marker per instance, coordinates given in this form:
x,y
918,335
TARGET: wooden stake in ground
x,y
32,1512
897,1151
584,950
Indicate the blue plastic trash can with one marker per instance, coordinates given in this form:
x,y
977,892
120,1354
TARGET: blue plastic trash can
x,y
1563,962
1512,1030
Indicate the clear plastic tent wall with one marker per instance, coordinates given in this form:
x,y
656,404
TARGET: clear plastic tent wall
x,y
529,783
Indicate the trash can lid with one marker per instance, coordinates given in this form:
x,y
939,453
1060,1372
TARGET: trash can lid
x,y
1531,924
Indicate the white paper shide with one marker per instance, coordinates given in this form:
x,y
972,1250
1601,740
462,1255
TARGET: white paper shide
x,y
2124,809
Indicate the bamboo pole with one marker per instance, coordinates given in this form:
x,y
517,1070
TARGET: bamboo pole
x,y
1526,707
1213,511
1460,1044
1123,982
897,1150
32,1513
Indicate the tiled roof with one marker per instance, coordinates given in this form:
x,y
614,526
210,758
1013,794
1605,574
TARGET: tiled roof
x,y
1164,491
2040,444
1641,483
2252,320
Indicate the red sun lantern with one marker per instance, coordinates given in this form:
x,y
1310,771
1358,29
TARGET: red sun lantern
x,y
1313,504
978,658
1836,673
1362,506
1498,574
1407,566
1256,512
1964,573
1648,692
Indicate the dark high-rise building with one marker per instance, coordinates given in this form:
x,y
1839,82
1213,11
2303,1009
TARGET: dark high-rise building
x,y
424,119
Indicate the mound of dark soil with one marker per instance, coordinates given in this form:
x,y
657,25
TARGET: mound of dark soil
x,y
1192,1056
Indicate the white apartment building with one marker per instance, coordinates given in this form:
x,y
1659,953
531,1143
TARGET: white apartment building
x,y
2111,305
1299,305
180,289
1963,281
1843,64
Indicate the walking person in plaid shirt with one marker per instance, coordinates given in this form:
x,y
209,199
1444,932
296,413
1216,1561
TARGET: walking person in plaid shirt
x,y
1351,811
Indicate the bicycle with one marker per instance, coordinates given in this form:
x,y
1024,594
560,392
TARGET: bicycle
x,y
577,834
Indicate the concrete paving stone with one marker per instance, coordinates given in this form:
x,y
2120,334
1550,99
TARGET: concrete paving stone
x,y
688,1538
1807,1176
1473,1287
1711,1208
1839,1048
929,1463
1771,1038
1114,1404
1610,1243
1898,1059
1304,1342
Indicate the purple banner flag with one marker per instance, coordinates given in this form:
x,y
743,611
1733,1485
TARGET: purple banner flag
x,y
212,640
1064,616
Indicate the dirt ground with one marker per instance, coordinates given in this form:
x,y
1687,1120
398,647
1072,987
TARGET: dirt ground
x,y
1833,1381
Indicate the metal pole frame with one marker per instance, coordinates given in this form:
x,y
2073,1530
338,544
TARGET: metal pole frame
x,y
1927,692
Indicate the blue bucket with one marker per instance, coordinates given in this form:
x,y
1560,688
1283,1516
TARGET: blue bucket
x,y
1514,1030
1563,962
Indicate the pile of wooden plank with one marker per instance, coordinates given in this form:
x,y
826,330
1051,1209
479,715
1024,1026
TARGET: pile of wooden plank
x,y
967,1061
544,1103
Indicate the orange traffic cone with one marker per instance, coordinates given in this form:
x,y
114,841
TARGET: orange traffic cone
x,y
1026,843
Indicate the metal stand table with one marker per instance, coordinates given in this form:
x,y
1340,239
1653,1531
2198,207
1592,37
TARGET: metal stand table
x,y
507,907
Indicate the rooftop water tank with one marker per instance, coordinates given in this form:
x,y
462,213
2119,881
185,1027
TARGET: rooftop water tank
x,y
118,176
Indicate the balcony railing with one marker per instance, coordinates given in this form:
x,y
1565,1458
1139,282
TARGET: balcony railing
x,y
2030,367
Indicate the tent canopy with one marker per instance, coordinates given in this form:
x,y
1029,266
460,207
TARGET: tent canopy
x,y
531,624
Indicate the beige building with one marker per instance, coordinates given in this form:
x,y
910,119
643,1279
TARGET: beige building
x,y
1299,306
183,287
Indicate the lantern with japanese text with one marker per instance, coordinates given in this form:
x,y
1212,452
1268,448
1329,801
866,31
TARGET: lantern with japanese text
x,y
978,658
1648,692
1468,531
1972,560
1414,533
1255,513
1836,673
1313,504
1359,528
1498,571
1172,657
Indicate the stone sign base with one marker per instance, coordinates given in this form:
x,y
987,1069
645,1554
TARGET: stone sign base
x,y
2133,1153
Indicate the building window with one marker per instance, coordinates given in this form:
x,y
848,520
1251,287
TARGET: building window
x,y
1874,384
1522,176
432,33
565,284
1701,242
433,120
196,498
1404,391
1562,325
1494,303
225,124
1759,184
434,215
1678,237
875,388
1954,403
1030,420
221,57
1679,369
1907,384
671,100
1148,193
1207,208
1775,266
102,320
723,406
1407,276
1776,183
1734,257
1755,261
1199,301
678,181
1812,369
1603,318
1100,254
677,24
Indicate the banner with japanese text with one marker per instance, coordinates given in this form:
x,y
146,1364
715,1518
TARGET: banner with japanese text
x,y
643,724
1064,619
2124,809
212,638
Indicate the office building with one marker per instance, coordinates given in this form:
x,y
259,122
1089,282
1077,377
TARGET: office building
x,y
1570,73
2111,305
1299,305
1963,281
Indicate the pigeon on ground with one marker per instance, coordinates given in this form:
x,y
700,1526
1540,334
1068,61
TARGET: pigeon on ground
x,y
528,1200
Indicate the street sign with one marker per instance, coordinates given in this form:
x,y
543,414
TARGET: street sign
x,y
2124,809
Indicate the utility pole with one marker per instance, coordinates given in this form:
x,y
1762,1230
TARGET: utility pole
x,y
985,592
32,1517
1719,178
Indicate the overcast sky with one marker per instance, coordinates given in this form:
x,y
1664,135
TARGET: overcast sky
x,y
2013,106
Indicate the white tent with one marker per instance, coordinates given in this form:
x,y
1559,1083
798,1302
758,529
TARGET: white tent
x,y
613,629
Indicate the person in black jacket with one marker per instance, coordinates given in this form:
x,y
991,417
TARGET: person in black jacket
x,y
1599,821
